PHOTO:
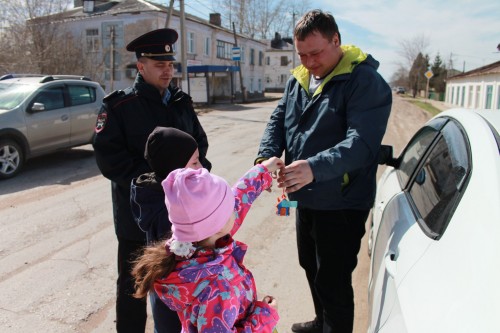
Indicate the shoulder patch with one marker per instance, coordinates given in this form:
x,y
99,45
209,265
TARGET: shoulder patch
x,y
101,121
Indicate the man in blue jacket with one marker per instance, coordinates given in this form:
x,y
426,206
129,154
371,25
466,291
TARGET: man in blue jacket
x,y
329,123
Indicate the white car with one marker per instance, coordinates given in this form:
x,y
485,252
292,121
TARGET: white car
x,y
434,240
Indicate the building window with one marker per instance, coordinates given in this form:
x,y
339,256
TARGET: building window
x,y
284,61
478,96
462,97
92,40
283,78
206,47
489,97
224,50
242,55
131,71
191,43
261,58
252,57
268,61
498,98
471,95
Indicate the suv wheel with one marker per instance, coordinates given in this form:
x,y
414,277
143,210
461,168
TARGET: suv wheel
x,y
11,159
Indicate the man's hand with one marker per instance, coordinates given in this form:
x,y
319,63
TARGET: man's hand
x,y
295,176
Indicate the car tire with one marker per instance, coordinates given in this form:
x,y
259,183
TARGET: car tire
x,y
11,158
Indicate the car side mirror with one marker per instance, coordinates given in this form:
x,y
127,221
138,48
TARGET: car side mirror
x,y
386,156
37,107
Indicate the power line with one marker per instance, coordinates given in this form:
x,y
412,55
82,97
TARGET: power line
x,y
197,8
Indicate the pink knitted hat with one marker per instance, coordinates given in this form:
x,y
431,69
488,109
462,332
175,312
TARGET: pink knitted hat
x,y
199,203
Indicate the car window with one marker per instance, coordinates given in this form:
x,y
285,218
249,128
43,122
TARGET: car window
x,y
416,149
51,98
81,94
438,184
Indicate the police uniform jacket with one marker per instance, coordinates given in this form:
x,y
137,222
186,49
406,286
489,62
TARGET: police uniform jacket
x,y
126,119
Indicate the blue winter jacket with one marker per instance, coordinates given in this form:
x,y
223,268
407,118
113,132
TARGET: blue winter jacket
x,y
338,130
147,201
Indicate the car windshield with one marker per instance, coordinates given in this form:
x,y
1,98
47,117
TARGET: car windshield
x,y
12,94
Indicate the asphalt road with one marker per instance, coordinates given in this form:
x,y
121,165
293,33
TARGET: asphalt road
x,y
58,248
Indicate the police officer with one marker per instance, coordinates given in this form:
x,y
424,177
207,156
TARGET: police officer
x,y
125,120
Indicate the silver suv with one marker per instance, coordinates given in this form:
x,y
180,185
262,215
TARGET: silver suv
x,y
40,114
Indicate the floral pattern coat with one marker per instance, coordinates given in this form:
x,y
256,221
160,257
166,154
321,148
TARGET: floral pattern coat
x,y
213,291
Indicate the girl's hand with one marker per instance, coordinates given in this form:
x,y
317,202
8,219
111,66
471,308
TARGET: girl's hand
x,y
271,301
272,164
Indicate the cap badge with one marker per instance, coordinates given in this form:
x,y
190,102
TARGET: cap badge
x,y
167,48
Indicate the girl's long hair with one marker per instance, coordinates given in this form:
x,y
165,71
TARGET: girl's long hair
x,y
154,263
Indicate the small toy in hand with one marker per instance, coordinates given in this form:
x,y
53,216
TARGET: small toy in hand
x,y
284,205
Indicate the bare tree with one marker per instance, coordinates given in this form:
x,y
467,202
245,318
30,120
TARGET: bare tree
x,y
34,39
400,77
262,18
410,49
286,20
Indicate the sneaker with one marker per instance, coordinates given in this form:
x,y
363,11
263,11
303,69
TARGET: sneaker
x,y
314,326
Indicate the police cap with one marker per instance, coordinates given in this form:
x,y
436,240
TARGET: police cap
x,y
156,44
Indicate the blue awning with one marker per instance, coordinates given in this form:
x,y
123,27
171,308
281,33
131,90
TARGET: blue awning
x,y
211,69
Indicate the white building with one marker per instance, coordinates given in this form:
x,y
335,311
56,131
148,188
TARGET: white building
x,y
211,73
280,60
478,88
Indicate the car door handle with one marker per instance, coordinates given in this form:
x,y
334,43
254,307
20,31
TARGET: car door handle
x,y
390,263
64,117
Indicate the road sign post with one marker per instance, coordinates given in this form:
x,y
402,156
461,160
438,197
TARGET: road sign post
x,y
428,75
236,54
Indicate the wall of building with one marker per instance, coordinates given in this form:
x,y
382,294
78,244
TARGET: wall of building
x,y
201,48
478,92
279,63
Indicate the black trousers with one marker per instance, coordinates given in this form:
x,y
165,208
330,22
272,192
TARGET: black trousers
x,y
328,243
130,312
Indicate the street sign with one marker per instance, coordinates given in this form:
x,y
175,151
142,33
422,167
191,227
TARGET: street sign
x,y
429,74
236,54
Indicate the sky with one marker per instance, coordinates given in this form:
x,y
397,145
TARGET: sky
x,y
466,32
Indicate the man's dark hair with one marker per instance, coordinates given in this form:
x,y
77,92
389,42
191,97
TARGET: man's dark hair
x,y
316,20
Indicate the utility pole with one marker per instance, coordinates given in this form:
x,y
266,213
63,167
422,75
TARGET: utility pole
x,y
169,14
293,40
112,57
243,90
183,42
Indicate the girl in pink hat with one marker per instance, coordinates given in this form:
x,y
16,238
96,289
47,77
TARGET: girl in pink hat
x,y
199,270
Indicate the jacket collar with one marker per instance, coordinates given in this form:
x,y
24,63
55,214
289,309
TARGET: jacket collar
x,y
352,56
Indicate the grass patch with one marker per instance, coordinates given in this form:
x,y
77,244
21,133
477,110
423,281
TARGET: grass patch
x,y
426,106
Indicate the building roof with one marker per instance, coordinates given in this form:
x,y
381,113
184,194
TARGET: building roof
x,y
493,68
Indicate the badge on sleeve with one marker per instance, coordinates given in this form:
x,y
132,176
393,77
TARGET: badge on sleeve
x,y
101,121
